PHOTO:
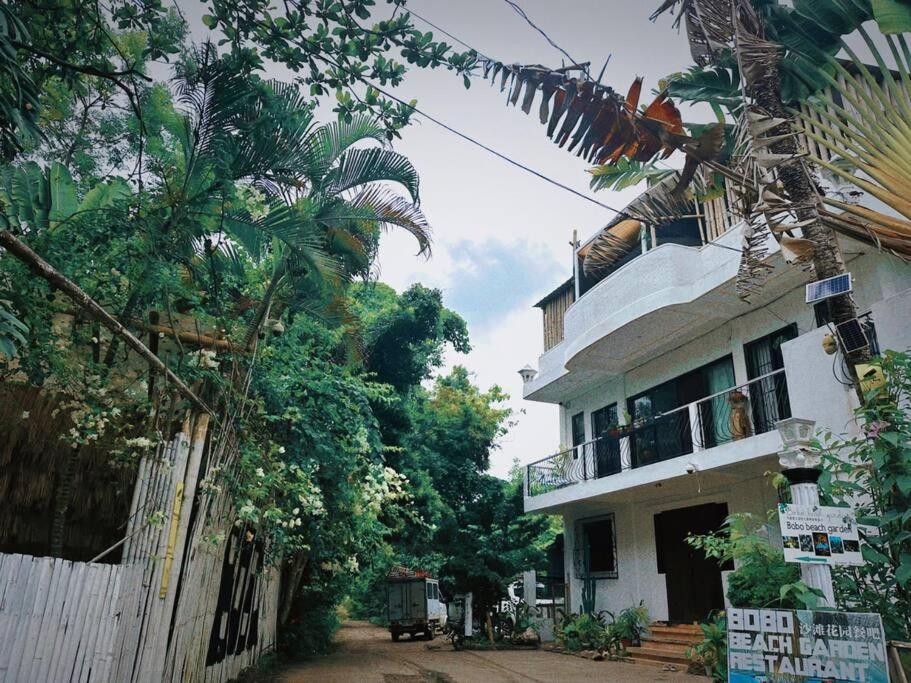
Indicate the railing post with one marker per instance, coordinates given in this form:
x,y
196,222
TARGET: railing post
x,y
582,449
626,446
695,426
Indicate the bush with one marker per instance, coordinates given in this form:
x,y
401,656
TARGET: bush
x,y
310,631
583,632
762,577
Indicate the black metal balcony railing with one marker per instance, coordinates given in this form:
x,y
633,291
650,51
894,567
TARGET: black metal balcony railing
x,y
730,415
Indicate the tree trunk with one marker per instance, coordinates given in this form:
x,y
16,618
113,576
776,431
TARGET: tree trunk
x,y
827,259
295,573
45,270
263,309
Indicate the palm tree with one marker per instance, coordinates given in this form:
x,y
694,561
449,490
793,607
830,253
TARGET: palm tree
x,y
718,28
345,196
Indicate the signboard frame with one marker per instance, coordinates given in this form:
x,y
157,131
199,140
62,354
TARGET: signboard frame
x,y
778,645
816,534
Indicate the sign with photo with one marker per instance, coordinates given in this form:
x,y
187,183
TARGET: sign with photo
x,y
819,535
773,645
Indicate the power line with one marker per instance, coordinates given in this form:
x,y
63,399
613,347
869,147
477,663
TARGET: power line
x,y
467,137
521,13
449,35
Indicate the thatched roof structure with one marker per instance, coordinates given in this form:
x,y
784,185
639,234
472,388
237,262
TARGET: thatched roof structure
x,y
33,458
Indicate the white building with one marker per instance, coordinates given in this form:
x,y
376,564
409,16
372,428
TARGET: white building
x,y
663,341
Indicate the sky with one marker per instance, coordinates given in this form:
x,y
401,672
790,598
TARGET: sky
x,y
501,236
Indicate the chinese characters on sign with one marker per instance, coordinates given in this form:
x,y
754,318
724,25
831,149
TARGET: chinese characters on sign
x,y
767,646
819,535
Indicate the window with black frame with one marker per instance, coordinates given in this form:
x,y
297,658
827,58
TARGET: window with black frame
x,y
769,395
596,548
662,428
607,446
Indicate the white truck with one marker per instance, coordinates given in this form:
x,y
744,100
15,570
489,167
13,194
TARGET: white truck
x,y
413,603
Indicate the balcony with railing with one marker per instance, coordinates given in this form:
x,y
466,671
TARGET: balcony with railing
x,y
731,415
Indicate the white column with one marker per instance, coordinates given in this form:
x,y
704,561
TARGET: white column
x,y
814,575
695,427
469,617
530,591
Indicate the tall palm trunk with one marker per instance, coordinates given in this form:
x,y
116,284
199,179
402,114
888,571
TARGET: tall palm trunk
x,y
827,259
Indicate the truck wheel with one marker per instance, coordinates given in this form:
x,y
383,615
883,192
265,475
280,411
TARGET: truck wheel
x,y
395,636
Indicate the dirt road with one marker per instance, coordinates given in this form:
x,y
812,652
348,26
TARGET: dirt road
x,y
366,654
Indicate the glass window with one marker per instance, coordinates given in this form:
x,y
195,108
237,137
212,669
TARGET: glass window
x,y
430,591
596,548
578,429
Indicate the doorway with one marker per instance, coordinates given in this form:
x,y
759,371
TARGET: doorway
x,y
693,581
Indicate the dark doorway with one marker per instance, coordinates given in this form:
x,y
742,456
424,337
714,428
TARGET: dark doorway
x,y
693,582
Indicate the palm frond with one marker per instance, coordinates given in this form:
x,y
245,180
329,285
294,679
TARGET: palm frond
x,y
379,204
330,141
869,128
358,167
624,174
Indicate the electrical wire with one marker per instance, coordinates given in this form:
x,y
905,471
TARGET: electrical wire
x,y
553,43
449,35
477,143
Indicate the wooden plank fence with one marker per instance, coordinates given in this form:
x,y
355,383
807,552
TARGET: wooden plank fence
x,y
185,571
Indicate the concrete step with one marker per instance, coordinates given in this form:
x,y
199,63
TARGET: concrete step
x,y
657,654
675,628
678,648
687,641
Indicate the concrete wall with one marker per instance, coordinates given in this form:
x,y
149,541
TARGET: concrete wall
x,y
875,276
892,317
638,577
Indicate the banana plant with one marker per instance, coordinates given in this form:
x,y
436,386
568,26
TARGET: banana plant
x,y
34,198
12,331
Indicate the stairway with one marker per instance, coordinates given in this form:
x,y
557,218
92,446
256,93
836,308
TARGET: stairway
x,y
666,644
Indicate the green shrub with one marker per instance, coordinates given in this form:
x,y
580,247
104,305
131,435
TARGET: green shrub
x,y
712,652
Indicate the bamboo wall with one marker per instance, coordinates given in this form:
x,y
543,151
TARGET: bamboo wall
x,y
191,600
58,619
554,312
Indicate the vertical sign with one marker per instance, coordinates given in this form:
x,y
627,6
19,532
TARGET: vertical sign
x,y
772,645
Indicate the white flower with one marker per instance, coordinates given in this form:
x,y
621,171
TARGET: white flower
x,y
25,414
281,449
260,472
296,511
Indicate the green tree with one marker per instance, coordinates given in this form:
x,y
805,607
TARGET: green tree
x,y
872,473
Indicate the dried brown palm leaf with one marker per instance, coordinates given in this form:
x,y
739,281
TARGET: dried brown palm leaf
x,y
596,122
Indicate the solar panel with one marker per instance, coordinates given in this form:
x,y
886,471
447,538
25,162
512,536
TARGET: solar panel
x,y
852,336
826,289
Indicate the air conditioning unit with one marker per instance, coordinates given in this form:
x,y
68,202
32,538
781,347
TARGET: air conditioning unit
x,y
852,336
826,289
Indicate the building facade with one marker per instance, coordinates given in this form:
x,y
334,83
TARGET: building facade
x,y
669,387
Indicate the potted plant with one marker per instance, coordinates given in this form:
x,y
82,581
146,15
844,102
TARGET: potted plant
x,y
631,623
711,653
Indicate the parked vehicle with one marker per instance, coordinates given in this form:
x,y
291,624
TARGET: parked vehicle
x,y
414,604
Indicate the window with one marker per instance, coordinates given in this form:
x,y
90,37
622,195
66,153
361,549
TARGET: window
x,y
596,548
768,395
670,435
578,429
607,449
430,591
